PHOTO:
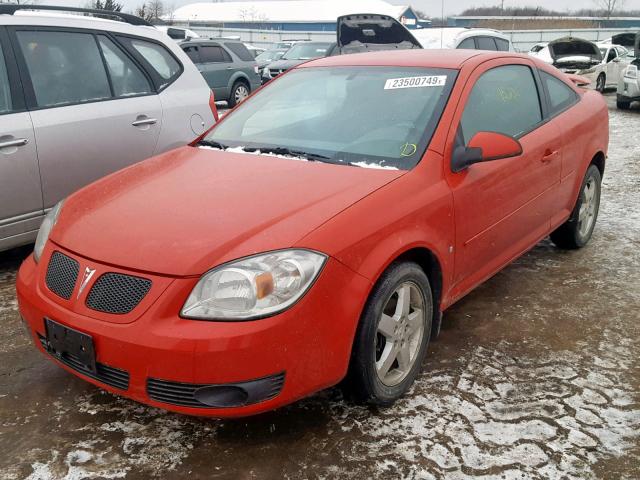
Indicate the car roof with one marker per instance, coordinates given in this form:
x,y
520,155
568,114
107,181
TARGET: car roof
x,y
453,59
44,19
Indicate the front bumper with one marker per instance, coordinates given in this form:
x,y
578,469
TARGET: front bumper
x,y
305,348
629,88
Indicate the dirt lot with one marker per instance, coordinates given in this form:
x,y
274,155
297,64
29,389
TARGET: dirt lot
x,y
536,375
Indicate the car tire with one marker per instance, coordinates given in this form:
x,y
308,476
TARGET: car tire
x,y
623,105
239,92
577,230
601,83
403,295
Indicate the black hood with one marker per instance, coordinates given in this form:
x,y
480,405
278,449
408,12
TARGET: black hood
x,y
364,32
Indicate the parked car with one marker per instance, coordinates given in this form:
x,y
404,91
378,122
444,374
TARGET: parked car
x,y
626,40
308,237
607,73
269,56
570,55
228,67
255,51
629,83
81,98
464,38
357,33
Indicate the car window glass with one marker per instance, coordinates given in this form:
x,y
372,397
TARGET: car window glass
x,y
213,53
467,43
192,53
612,54
504,100
158,57
65,67
126,78
502,44
6,104
241,51
486,43
561,95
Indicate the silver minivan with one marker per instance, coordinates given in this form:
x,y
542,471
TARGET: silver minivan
x,y
82,97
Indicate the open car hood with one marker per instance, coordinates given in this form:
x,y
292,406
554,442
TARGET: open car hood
x,y
569,51
365,32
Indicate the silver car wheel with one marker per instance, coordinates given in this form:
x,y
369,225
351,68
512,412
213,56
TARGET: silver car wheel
x,y
587,212
241,93
399,334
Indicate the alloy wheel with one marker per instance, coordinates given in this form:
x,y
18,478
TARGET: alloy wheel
x,y
241,93
587,212
399,334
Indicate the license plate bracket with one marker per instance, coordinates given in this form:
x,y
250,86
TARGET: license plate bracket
x,y
71,345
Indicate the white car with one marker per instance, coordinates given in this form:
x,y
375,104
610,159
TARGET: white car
x,y
629,83
606,74
467,38
80,98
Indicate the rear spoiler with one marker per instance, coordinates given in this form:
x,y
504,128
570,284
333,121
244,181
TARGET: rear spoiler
x,y
578,80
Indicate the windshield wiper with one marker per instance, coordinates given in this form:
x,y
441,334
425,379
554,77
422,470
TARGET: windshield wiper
x,y
287,151
210,143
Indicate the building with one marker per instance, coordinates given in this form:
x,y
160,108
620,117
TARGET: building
x,y
291,15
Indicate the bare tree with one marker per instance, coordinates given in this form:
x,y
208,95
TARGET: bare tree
x,y
150,10
609,6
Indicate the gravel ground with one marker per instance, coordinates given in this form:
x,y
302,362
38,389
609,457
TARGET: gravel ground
x,y
536,375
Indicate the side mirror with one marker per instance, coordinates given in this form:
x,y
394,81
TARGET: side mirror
x,y
484,147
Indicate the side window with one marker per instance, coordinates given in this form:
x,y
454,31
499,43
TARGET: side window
x,y
561,95
467,43
126,78
504,100
159,58
502,44
486,43
611,55
241,51
192,53
6,104
213,53
65,67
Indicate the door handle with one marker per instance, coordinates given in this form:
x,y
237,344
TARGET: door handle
x,y
229,68
18,142
548,156
144,121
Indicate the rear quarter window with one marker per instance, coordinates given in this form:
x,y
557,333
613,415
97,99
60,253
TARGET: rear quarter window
x,y
561,96
486,43
240,50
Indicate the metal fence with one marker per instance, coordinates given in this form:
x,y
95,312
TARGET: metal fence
x,y
522,40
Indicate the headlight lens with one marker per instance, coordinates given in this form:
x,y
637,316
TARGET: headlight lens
x,y
631,72
49,221
254,287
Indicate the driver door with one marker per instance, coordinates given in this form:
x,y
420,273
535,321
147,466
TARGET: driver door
x,y
502,207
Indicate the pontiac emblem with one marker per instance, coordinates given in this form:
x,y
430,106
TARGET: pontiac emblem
x,y
88,273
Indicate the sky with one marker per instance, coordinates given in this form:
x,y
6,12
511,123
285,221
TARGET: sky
x,y
431,7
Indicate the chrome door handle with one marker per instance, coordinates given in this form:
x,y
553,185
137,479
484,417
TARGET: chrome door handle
x,y
229,68
144,121
18,142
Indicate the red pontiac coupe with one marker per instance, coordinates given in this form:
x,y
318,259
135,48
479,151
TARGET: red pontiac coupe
x,y
317,232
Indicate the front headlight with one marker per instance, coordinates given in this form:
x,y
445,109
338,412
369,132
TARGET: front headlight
x,y
254,287
631,72
49,221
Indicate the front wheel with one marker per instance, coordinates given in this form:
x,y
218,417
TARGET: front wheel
x,y
623,105
576,232
239,92
392,337
601,83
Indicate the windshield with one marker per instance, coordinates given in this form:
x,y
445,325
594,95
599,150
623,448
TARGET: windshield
x,y
379,117
307,51
269,55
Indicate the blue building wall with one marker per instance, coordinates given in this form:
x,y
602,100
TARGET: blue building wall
x,y
600,23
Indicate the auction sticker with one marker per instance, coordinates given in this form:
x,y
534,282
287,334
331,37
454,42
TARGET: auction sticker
x,y
415,82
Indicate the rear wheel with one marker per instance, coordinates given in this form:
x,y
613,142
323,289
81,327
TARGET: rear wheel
x,y
392,337
576,232
239,92
623,104
601,83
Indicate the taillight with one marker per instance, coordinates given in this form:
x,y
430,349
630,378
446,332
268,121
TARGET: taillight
x,y
212,105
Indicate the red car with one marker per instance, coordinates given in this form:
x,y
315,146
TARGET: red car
x,y
317,232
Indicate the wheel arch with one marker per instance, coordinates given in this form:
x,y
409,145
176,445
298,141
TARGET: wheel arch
x,y
599,161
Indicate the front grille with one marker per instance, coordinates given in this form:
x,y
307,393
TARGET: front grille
x,y
62,274
117,293
111,376
184,394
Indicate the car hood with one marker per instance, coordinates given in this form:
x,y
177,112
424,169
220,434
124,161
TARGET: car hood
x,y
190,209
285,64
365,32
568,49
